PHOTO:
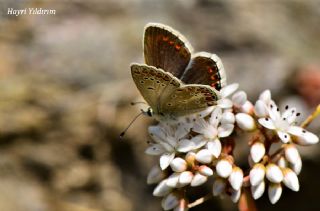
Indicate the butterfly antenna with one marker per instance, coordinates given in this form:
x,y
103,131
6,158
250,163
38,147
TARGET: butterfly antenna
x,y
135,103
134,119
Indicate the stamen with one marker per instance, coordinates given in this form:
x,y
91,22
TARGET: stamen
x,y
298,114
287,107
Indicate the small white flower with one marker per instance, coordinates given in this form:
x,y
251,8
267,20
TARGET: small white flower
x,y
178,165
257,174
258,190
204,156
236,178
257,151
218,187
155,175
162,189
283,124
274,192
224,168
245,122
214,147
225,92
274,173
170,201
290,179
198,179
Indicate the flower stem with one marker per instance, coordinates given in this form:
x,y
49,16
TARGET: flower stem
x,y
246,202
200,200
311,117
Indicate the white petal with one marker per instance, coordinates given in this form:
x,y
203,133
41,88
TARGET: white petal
x,y
274,173
265,96
178,165
227,118
239,98
303,137
297,166
285,137
185,178
162,189
289,115
260,109
224,168
236,178
169,202
155,175
225,103
204,156
155,149
274,192
257,151
267,123
205,170
166,159
258,190
206,112
225,130
198,180
235,195
198,141
291,153
228,90
185,145
215,117
257,174
274,111
291,180
245,122
218,187
173,180
214,147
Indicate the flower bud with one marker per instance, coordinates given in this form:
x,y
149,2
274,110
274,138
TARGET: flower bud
x,y
155,175
165,160
257,174
258,190
214,147
291,153
204,156
260,109
245,122
173,179
235,195
170,201
162,189
205,170
178,165
239,98
218,186
185,178
274,173
290,179
257,151
274,192
236,178
224,168
198,180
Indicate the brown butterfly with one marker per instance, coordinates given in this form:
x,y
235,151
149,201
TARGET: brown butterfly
x,y
173,82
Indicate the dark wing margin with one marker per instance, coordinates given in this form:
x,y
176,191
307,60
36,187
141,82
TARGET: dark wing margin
x,y
207,69
166,48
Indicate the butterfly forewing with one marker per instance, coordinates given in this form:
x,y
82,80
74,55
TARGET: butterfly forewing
x,y
188,99
166,48
207,69
152,83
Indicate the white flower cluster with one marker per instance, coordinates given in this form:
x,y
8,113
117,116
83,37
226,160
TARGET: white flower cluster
x,y
200,146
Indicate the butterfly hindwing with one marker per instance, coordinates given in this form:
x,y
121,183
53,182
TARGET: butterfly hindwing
x,y
188,99
166,48
152,83
207,69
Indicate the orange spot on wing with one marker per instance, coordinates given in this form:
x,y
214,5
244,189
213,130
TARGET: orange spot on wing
x,y
210,70
171,42
177,47
213,77
165,39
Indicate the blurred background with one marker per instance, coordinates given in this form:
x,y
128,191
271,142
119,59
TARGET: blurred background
x,y
65,93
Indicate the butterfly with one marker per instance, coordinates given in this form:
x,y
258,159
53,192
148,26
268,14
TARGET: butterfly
x,y
174,82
